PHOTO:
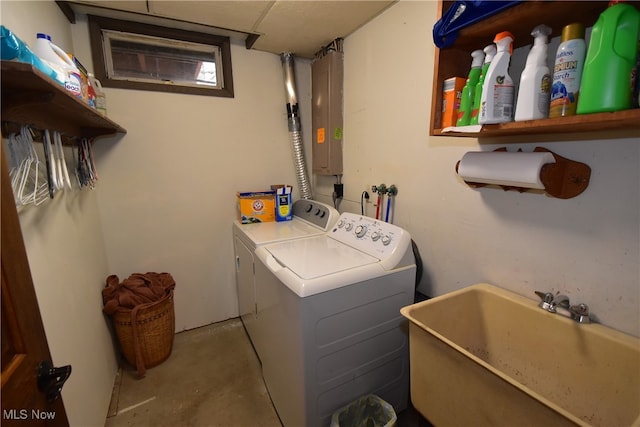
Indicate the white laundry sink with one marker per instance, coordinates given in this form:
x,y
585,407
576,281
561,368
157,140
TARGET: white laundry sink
x,y
486,356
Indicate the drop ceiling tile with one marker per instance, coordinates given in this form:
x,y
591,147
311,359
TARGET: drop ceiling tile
x,y
139,6
303,27
236,15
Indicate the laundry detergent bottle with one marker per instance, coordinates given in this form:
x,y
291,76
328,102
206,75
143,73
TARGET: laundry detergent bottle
x,y
489,54
496,103
535,82
611,57
100,97
469,89
58,59
13,48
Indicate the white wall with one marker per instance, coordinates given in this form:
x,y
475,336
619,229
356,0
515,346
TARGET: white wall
x,y
167,190
586,247
68,260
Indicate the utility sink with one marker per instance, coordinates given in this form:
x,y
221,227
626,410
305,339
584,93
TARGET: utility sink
x,y
484,356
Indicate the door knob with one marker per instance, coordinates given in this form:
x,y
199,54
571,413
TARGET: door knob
x,y
51,380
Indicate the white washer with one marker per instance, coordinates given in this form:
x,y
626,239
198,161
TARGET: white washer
x,y
332,329
310,218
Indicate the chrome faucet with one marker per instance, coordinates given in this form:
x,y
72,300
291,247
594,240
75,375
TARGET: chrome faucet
x,y
559,301
549,302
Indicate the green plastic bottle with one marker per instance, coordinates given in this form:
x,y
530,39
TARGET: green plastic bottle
x,y
469,89
489,53
611,56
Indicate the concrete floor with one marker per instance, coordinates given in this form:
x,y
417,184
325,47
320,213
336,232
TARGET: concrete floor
x,y
212,378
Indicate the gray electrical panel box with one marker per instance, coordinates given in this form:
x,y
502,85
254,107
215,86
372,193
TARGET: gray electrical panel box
x,y
326,98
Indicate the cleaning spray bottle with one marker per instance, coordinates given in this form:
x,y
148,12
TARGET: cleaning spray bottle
x,y
610,60
535,82
567,71
469,89
489,53
496,103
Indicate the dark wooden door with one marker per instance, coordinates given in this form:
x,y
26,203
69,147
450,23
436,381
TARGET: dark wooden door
x,y
24,344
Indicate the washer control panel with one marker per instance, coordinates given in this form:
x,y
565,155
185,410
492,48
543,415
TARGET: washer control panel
x,y
316,213
376,238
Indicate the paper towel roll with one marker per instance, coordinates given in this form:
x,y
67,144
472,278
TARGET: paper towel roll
x,y
514,169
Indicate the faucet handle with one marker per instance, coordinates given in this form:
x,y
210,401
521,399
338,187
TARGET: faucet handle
x,y
546,299
580,313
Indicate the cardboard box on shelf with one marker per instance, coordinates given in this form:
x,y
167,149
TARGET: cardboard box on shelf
x,y
452,91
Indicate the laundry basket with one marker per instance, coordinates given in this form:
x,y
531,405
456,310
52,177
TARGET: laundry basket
x,y
145,333
144,330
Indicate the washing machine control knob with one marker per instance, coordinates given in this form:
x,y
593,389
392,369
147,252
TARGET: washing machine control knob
x,y
375,236
349,226
317,211
361,230
341,223
386,240
308,208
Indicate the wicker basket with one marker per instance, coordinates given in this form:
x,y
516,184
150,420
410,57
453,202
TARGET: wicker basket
x,y
145,334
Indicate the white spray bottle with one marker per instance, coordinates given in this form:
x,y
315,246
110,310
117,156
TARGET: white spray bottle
x,y
489,53
496,104
536,80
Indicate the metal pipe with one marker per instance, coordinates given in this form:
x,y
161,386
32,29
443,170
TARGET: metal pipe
x,y
293,118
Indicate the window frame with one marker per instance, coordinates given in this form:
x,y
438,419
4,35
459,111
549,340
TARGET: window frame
x,y
98,23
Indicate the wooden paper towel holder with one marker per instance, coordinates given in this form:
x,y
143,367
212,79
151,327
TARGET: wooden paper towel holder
x,y
563,179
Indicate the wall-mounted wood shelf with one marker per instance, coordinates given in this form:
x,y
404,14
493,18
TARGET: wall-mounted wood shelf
x,y
599,123
520,20
29,97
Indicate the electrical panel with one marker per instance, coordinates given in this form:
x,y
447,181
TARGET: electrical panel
x,y
327,75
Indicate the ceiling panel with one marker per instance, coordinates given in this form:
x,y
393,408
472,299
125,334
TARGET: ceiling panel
x,y
236,15
299,26
303,27
139,6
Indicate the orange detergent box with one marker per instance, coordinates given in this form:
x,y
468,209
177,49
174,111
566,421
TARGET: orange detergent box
x,y
256,206
451,94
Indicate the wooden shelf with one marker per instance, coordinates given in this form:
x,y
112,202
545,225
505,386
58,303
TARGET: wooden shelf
x,y
29,97
599,123
520,20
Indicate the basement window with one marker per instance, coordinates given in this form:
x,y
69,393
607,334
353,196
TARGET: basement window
x,y
132,55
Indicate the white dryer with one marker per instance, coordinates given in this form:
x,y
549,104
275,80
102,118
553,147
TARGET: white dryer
x,y
310,218
331,324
